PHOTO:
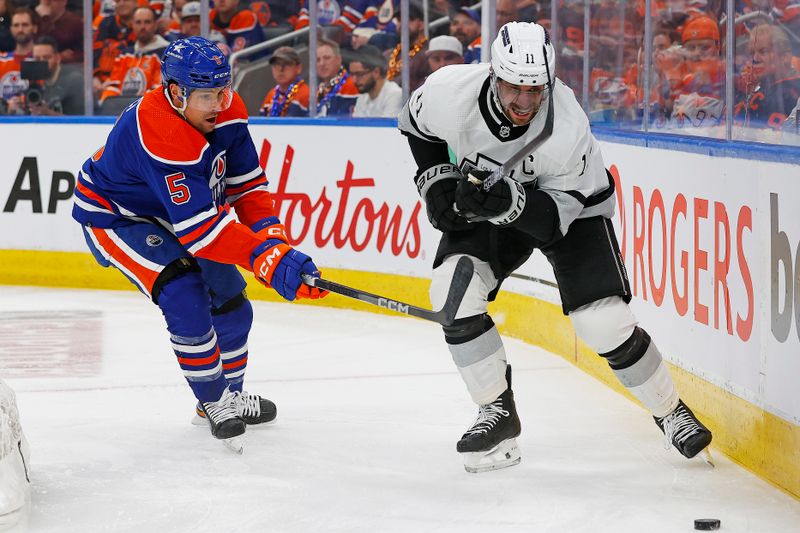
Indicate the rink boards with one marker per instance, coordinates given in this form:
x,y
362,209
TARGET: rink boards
x,y
709,237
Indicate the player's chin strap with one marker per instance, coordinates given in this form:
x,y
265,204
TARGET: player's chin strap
x,y
181,110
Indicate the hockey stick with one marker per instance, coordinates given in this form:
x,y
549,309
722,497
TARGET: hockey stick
x,y
445,316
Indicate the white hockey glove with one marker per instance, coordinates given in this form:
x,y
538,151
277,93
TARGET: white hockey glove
x,y
502,204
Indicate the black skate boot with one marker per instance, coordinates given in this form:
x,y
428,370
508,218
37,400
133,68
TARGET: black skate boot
x,y
490,443
682,429
222,417
254,409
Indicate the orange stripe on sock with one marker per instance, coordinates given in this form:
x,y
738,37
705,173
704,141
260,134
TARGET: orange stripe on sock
x,y
237,364
199,362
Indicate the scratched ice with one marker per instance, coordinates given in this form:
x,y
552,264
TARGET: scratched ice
x,y
369,409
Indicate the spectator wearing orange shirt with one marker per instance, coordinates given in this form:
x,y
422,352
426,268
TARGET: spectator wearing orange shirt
x,y
289,98
23,30
138,69
238,24
114,34
698,99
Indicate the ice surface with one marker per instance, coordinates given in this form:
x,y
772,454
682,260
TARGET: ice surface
x,y
369,411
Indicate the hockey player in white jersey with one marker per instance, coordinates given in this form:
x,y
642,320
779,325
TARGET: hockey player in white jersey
x,y
558,198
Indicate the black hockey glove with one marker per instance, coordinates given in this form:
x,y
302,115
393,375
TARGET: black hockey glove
x,y
500,205
438,185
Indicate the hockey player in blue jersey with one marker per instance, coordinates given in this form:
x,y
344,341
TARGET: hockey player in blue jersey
x,y
155,203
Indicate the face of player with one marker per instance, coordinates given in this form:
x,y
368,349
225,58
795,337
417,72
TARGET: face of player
x,y
144,25
204,105
442,58
520,102
22,28
463,28
328,63
191,26
285,73
45,52
364,78
700,49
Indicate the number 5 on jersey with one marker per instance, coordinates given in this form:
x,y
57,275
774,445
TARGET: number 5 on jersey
x,y
178,192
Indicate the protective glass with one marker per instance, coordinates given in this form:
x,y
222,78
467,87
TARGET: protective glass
x,y
211,100
522,97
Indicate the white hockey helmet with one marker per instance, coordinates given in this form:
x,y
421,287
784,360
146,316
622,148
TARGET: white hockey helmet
x,y
523,55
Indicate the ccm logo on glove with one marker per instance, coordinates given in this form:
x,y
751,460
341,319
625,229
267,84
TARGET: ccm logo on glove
x,y
278,265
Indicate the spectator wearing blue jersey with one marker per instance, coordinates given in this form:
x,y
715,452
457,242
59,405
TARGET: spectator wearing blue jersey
x,y
155,203
465,25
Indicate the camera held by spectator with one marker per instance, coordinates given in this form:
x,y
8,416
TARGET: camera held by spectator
x,y
36,72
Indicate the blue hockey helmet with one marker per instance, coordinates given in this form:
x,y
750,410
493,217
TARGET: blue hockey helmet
x,y
195,63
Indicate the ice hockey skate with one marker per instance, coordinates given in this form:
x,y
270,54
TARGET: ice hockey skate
x,y
685,432
223,419
490,443
251,408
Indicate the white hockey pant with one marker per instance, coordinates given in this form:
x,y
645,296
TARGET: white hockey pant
x,y
609,328
477,349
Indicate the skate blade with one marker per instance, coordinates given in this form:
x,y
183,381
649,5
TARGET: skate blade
x,y
234,444
503,455
706,456
200,421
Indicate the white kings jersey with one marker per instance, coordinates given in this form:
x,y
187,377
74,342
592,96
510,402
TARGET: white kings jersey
x,y
455,105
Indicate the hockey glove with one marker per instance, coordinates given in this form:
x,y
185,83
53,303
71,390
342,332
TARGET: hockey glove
x,y
278,265
437,186
501,204
270,228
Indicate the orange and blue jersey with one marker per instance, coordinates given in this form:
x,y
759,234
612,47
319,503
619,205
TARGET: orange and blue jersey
x,y
134,74
383,15
156,167
346,14
338,101
241,31
11,83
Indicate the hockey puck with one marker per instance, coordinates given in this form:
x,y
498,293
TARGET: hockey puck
x,y
707,524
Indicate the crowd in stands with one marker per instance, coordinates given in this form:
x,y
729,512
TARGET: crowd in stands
x,y
359,60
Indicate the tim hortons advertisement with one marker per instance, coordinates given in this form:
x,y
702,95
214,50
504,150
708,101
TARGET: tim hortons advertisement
x,y
346,194
711,248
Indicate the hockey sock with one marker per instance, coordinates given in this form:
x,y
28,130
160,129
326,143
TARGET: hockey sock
x,y
232,323
186,305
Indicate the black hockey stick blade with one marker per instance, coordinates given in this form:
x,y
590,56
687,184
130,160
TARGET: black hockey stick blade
x,y
445,316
